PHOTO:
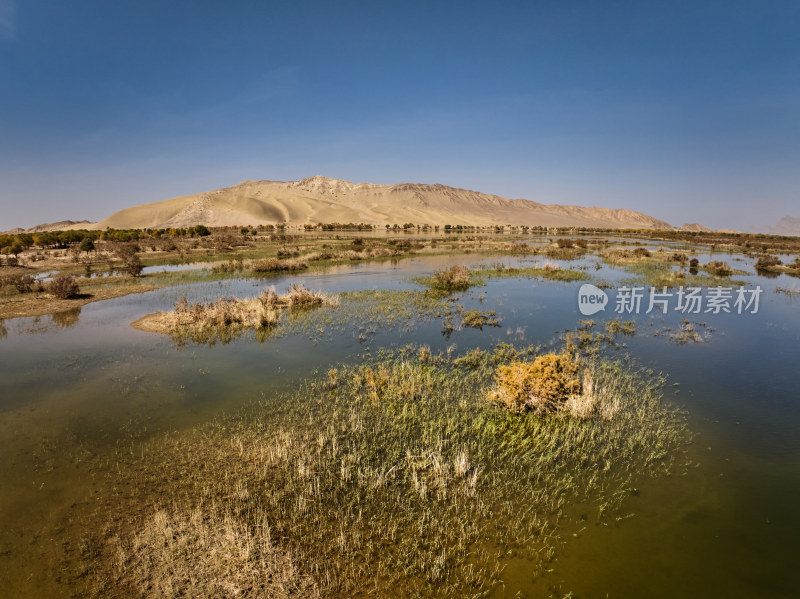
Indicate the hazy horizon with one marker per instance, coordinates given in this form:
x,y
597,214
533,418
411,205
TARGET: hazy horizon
x,y
688,112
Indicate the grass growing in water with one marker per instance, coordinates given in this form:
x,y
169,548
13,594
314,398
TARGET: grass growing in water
x,y
392,478
478,319
227,318
276,265
549,271
448,280
656,274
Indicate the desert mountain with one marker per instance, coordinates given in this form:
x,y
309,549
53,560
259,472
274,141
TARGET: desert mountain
x,y
61,226
788,225
695,228
325,200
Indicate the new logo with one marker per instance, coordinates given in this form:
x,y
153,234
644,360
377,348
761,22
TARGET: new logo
x,y
591,299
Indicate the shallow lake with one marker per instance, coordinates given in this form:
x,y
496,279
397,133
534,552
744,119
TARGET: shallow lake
x,y
75,385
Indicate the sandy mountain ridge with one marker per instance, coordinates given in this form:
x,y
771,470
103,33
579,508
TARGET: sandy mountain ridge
x,y
325,200
695,227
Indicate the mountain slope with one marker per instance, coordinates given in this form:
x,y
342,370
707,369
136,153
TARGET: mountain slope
x,y
788,225
324,200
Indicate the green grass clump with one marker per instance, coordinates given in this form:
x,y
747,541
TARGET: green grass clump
x,y
478,319
393,477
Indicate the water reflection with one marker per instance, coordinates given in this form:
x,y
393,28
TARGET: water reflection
x,y
67,318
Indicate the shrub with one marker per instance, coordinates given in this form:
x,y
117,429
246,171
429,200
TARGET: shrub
x,y
716,267
22,283
694,263
455,278
565,243
134,265
540,386
63,287
765,262
679,257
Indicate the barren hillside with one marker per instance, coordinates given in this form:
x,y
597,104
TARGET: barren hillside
x,y
325,200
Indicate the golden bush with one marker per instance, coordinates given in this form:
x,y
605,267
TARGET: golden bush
x,y
541,386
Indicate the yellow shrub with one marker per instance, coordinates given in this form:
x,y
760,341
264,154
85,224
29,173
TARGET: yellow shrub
x,y
542,385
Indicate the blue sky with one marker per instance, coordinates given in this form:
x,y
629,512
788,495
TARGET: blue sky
x,y
688,111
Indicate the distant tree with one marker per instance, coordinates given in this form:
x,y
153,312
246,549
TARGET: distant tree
x,y
17,247
87,245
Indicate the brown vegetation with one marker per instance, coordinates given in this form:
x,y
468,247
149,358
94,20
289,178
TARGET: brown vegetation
x,y
226,318
540,386
455,278
276,265
719,268
64,287
203,553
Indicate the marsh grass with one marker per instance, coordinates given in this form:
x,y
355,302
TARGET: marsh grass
x,y
227,318
278,265
562,252
369,310
234,265
657,274
587,341
459,278
625,256
548,271
773,264
204,553
689,332
478,319
718,268
393,477
788,291
453,278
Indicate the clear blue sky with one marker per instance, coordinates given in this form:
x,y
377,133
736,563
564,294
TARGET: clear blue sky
x,y
689,111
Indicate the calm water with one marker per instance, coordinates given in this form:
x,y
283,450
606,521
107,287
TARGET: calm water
x,y
74,385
